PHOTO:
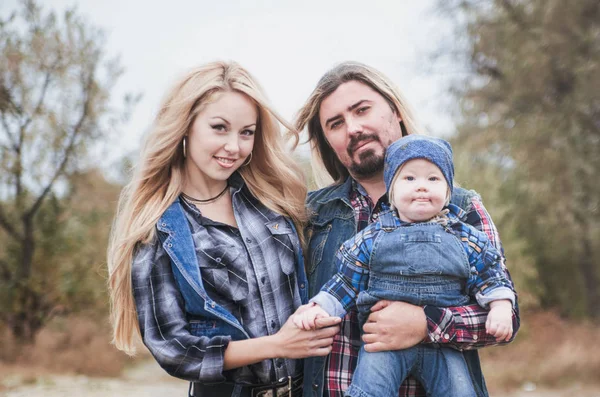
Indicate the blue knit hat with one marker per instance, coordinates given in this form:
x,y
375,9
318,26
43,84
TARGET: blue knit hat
x,y
414,146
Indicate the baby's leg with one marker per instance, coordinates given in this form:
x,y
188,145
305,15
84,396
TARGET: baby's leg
x,y
443,372
381,374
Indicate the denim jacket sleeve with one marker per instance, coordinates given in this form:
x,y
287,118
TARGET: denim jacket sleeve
x,y
463,327
163,323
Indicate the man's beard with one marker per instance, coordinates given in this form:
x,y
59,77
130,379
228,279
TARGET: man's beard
x,y
369,162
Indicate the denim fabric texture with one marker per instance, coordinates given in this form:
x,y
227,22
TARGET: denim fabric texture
x,y
188,329
332,222
442,371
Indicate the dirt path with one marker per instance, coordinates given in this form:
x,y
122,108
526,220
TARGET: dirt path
x,y
145,380
149,380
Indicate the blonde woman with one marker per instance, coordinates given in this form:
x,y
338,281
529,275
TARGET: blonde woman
x,y
205,260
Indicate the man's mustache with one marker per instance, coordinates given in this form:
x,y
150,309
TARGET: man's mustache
x,y
356,140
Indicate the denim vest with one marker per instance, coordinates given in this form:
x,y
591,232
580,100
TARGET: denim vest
x,y
332,222
206,317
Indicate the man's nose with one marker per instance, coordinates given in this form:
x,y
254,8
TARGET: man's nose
x,y
353,126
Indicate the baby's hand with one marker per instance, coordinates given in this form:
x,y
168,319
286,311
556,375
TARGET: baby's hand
x,y
499,320
306,319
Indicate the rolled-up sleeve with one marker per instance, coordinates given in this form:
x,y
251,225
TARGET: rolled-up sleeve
x,y
163,323
463,327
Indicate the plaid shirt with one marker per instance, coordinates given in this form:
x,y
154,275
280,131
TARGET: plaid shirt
x,y
466,334
249,271
487,280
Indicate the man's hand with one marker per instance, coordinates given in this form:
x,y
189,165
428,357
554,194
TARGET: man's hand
x,y
394,326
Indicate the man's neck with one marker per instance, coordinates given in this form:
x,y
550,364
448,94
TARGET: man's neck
x,y
374,186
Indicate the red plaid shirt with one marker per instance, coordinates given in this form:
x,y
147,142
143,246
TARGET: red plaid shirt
x,y
468,334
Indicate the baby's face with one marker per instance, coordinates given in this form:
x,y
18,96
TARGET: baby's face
x,y
419,191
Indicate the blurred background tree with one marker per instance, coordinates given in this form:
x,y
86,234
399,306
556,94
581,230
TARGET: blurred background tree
x,y
55,210
529,139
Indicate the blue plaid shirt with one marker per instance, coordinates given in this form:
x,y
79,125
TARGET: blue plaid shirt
x,y
487,281
249,271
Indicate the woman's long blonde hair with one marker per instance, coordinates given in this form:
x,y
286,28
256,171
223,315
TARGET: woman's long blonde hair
x,y
272,177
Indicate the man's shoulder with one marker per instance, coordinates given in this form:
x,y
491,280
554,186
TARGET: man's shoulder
x,y
462,197
319,198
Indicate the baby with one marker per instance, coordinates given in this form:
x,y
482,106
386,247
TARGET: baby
x,y
422,253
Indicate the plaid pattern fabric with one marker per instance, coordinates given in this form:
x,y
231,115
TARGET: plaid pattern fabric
x,y
249,271
353,259
466,334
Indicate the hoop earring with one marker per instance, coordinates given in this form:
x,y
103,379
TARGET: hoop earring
x,y
184,148
248,160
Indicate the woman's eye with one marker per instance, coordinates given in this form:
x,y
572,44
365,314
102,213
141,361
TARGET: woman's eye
x,y
410,178
247,133
219,127
362,109
433,178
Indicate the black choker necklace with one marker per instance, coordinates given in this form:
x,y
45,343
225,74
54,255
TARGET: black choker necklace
x,y
207,201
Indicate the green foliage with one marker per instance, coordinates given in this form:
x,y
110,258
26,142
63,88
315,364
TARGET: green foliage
x,y
530,140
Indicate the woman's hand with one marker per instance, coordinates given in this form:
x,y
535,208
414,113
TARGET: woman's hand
x,y
293,342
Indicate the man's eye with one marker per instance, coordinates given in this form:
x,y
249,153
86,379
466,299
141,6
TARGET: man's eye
x,y
335,124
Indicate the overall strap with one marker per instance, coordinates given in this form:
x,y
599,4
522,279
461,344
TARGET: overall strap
x,y
387,220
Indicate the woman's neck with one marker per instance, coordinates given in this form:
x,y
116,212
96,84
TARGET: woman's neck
x,y
202,188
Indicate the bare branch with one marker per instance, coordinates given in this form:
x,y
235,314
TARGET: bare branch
x,y
67,154
9,133
37,108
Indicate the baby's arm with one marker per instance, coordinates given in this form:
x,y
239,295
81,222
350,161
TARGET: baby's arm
x,y
306,319
499,320
490,286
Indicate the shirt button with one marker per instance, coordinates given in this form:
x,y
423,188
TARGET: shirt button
x,y
446,336
315,386
279,363
248,240
273,324
218,260
262,280
302,285
475,337
212,304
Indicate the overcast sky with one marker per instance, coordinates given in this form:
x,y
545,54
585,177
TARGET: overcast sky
x,y
286,45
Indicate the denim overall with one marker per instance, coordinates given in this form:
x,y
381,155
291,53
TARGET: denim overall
x,y
423,264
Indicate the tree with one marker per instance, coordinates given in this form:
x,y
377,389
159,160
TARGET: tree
x,y
55,84
530,111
